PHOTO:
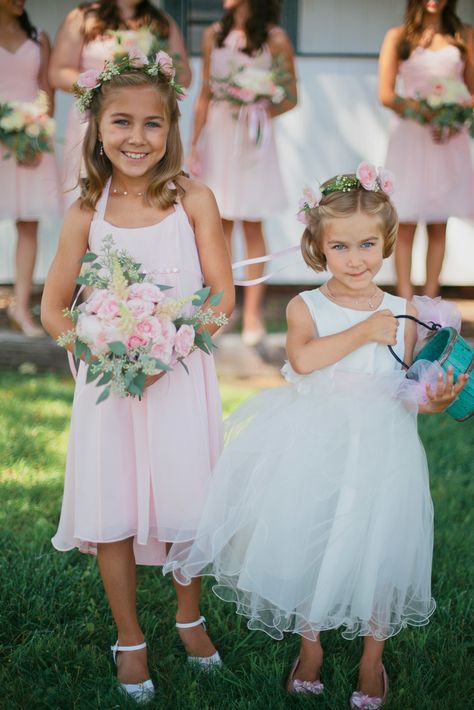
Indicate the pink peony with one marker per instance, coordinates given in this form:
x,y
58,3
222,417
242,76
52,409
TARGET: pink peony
x,y
149,328
137,57
162,350
165,63
109,307
89,79
367,175
242,94
146,291
386,181
140,308
312,197
95,301
168,328
184,340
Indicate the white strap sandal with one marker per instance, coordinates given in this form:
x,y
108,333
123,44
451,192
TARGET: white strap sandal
x,y
141,693
205,663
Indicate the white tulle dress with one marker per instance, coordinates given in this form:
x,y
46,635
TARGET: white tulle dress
x,y
319,514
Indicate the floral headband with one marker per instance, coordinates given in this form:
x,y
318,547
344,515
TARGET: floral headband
x,y
367,176
89,82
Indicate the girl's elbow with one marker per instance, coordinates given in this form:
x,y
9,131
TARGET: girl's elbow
x,y
299,365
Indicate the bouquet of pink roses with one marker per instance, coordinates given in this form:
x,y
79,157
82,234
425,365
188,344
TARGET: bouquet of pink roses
x,y
129,328
449,103
26,128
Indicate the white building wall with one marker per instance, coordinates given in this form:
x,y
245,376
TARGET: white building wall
x,y
337,123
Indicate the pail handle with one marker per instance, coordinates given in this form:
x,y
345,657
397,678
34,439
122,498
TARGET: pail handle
x,y
431,326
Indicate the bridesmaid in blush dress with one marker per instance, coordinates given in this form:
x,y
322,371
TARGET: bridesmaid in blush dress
x,y
434,171
245,178
83,43
29,190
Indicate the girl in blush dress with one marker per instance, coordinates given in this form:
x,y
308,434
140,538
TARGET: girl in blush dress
x,y
30,190
137,470
319,514
433,168
244,176
82,43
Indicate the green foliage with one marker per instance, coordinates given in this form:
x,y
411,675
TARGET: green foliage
x,y
56,629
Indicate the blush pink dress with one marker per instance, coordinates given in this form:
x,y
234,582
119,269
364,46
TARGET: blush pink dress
x,y
94,55
233,166
26,193
141,468
433,181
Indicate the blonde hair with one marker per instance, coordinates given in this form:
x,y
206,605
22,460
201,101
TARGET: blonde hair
x,y
99,168
343,204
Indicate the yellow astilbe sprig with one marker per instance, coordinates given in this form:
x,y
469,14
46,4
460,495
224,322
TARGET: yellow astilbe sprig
x,y
118,282
127,321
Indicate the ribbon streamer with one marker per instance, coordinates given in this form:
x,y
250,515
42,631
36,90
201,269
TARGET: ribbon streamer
x,y
261,260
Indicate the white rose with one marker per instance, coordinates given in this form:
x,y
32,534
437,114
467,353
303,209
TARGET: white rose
x,y
33,130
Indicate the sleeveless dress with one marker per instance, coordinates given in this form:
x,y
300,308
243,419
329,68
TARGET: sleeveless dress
x,y
27,193
233,166
319,514
140,468
94,55
434,181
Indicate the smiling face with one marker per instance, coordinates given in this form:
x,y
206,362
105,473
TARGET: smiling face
x,y
354,248
133,128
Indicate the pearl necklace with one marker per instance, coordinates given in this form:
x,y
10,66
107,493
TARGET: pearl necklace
x,y
355,301
115,191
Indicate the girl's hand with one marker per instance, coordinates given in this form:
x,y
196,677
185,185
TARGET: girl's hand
x,y
151,379
444,393
195,162
381,327
443,134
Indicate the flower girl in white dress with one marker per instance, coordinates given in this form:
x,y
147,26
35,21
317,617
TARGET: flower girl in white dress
x,y
319,514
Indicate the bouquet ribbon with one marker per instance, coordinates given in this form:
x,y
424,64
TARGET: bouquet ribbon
x,y
254,119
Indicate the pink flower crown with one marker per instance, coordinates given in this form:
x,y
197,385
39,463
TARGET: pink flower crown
x,y
367,176
89,82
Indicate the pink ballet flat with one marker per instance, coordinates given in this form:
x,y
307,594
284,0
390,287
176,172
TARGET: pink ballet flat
x,y
305,687
361,701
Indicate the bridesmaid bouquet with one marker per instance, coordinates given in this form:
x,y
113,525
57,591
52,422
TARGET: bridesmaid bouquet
x,y
449,102
26,128
128,328
143,39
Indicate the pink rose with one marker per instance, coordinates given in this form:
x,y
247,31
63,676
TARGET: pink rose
x,y
149,328
162,351
137,57
242,94
181,93
135,341
165,63
95,301
89,79
184,340
312,197
168,329
367,175
302,217
109,308
140,308
146,291
386,181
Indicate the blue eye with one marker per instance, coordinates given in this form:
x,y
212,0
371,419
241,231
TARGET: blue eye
x,y
121,121
153,124
366,245
339,247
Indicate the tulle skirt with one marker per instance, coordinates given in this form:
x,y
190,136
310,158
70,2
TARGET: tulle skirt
x,y
433,181
319,513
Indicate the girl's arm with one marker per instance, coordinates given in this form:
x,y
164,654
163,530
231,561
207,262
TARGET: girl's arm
x,y
469,63
43,82
282,51
67,51
201,208
307,353
389,62
177,49
202,103
61,280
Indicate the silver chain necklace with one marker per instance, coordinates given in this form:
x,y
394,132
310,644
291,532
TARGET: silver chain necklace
x,y
355,301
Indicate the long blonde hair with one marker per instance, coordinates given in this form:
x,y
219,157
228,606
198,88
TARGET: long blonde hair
x,y
344,204
99,168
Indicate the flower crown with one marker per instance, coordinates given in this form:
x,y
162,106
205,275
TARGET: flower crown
x,y
89,82
367,177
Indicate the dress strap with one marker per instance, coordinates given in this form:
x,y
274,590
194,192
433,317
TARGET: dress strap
x,y
100,208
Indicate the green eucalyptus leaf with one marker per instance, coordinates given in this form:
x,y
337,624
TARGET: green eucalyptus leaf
x,y
90,256
117,348
105,379
103,395
216,298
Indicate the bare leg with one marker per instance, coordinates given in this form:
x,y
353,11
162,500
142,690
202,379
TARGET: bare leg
x,y
117,568
403,255
25,259
370,668
434,257
253,295
311,659
195,640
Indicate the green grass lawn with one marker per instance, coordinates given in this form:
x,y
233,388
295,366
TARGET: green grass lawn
x,y
55,627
